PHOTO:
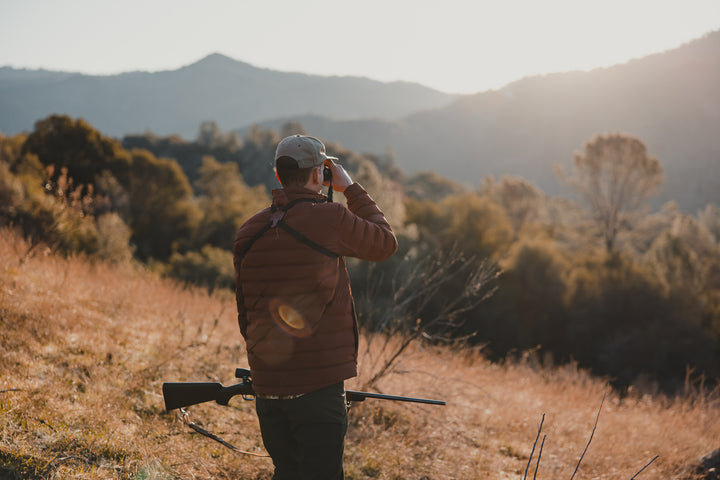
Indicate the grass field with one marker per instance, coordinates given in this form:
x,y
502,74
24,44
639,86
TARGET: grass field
x,y
85,347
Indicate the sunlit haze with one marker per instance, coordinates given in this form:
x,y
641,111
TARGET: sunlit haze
x,y
456,46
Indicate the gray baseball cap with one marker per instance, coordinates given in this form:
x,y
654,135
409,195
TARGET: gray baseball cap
x,y
306,151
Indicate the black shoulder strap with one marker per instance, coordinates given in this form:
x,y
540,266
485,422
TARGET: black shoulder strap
x,y
276,220
302,238
250,242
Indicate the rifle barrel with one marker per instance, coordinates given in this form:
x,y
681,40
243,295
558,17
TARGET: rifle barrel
x,y
354,396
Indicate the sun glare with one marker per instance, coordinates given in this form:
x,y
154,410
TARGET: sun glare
x,y
291,317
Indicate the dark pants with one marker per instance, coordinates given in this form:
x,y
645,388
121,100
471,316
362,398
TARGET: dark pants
x,y
305,436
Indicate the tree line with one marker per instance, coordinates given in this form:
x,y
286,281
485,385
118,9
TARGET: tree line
x,y
627,293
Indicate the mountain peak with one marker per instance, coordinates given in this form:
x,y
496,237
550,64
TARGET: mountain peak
x,y
218,61
217,58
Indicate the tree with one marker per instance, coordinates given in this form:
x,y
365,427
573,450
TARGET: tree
x,y
63,142
211,137
292,128
385,192
428,185
209,134
615,175
528,309
472,223
523,201
226,202
161,204
256,160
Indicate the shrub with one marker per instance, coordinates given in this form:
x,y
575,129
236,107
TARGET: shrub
x,y
211,267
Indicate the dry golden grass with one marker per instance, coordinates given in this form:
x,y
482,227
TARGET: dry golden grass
x,y
85,348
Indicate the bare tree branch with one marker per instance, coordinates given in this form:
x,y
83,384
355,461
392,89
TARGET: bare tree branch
x,y
406,317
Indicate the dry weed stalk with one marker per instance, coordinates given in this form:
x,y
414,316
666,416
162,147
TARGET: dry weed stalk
x,y
532,452
577,467
646,465
592,434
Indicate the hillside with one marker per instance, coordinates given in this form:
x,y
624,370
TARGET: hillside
x,y
215,88
669,100
86,347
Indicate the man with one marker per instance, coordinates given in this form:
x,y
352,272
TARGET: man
x,y
295,307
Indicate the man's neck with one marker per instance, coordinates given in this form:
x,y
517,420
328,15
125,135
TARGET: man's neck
x,y
314,186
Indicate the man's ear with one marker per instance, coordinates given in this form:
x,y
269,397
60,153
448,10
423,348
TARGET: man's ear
x,y
320,174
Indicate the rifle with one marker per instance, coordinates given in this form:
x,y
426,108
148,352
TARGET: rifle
x,y
184,394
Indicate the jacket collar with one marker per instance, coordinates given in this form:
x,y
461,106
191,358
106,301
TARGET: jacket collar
x,y
283,196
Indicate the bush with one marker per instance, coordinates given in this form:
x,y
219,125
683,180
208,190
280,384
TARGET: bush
x,y
623,322
114,239
210,267
528,308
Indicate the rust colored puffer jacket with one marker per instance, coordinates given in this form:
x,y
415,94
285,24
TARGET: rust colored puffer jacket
x,y
295,307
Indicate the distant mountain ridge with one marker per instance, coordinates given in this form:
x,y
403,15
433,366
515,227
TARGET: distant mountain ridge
x,y
216,88
670,100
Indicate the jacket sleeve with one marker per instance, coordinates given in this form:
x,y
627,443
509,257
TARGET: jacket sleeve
x,y
239,299
242,313
363,232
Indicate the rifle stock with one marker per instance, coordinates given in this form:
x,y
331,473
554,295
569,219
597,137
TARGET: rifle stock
x,y
184,394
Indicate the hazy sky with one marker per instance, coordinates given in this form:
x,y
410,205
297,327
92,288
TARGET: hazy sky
x,y
457,46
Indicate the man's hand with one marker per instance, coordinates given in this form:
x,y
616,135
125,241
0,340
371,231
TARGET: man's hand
x,y
340,178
